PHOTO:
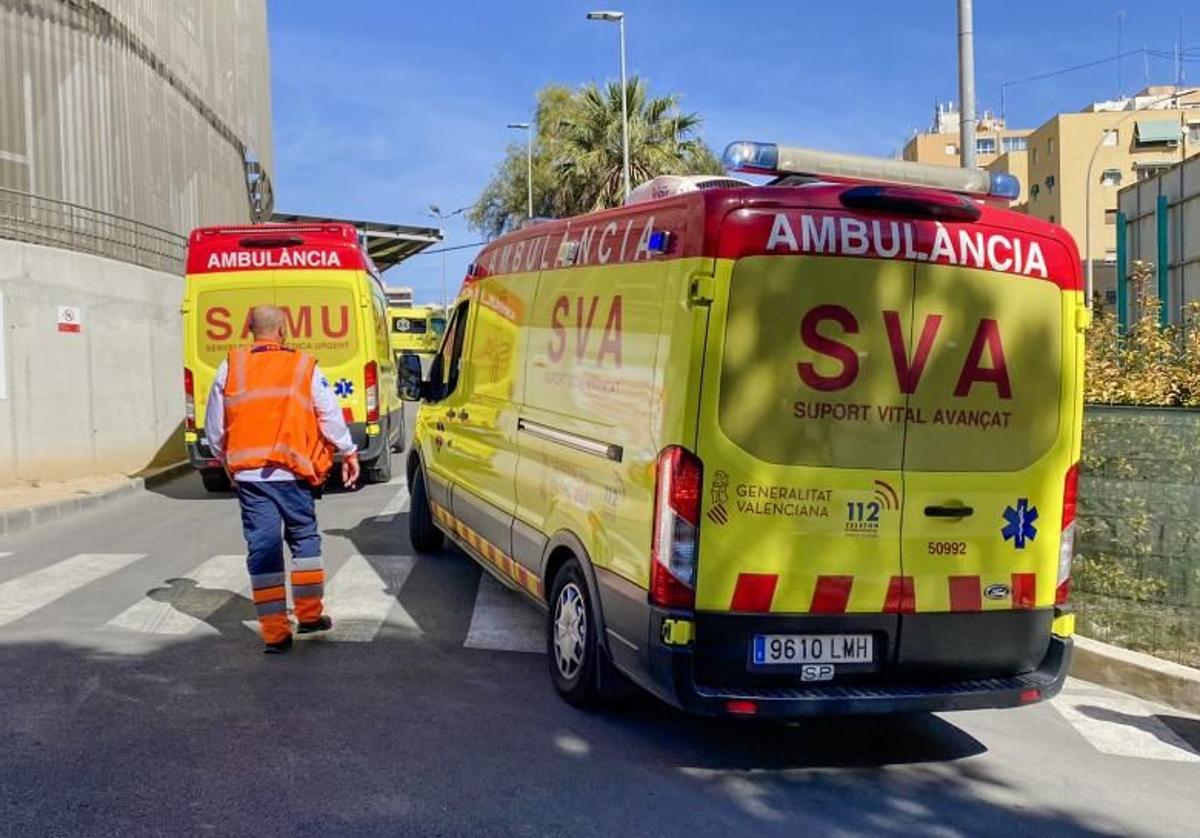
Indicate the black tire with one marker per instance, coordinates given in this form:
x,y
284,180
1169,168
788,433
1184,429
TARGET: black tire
x,y
426,538
379,470
578,680
215,480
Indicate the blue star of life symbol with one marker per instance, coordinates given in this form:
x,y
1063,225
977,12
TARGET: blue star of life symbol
x,y
343,387
1020,527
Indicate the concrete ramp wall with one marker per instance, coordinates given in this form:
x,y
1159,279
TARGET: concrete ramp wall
x,y
107,398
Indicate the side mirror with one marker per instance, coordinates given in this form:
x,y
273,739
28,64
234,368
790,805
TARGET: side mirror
x,y
409,380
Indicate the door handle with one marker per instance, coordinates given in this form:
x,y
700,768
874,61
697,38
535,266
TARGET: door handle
x,y
949,512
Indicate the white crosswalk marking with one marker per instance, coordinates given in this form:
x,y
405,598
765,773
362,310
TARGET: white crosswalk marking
x,y
181,607
398,504
26,594
502,621
1119,724
360,602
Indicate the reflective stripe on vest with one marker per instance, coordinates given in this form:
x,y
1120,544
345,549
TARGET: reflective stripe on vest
x,y
269,413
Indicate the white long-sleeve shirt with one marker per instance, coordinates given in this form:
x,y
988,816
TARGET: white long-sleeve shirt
x,y
329,417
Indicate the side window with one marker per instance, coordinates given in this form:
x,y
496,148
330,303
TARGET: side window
x,y
448,360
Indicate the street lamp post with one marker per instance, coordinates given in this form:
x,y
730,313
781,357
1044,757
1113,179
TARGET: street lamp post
x,y
619,19
1089,285
528,129
435,211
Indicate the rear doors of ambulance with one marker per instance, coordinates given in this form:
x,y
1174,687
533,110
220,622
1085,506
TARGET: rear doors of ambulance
x,y
884,444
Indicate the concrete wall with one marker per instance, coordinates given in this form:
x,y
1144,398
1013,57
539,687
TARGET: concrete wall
x,y
1137,568
107,399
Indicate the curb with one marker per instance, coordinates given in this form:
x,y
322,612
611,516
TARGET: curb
x,y
1137,673
26,517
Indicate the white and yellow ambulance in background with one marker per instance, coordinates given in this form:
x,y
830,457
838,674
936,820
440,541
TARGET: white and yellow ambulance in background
x,y
416,329
334,301
808,447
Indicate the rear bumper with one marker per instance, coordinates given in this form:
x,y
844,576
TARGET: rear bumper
x,y
370,446
893,688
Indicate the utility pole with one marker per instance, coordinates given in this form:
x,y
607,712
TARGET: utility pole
x,y
966,83
1120,32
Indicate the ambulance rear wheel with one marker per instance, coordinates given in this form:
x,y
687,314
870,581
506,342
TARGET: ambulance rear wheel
x,y
571,641
215,480
379,470
422,532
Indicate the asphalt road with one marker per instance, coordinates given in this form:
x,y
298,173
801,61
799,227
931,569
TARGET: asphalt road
x,y
134,701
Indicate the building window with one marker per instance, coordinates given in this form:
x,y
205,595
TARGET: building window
x,y
951,148
1034,189
1146,171
1193,132
1110,216
1111,136
1110,297
1110,256
1051,218
1050,146
1018,143
1035,155
1110,177
1049,183
985,145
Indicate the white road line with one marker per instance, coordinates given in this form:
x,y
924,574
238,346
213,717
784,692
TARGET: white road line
x,y
360,602
26,594
503,621
398,504
1118,724
4,555
182,605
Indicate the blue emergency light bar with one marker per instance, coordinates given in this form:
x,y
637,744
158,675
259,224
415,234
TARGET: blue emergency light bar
x,y
774,159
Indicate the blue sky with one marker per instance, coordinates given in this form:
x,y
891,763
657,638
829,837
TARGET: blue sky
x,y
382,107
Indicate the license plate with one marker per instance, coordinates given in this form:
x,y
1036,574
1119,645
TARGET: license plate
x,y
771,649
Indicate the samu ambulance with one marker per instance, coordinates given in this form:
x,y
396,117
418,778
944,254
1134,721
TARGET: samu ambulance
x,y
806,447
334,302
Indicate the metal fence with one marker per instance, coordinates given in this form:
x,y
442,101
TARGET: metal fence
x,y
1136,580
39,220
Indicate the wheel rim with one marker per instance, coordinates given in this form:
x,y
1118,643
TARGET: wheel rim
x,y
570,630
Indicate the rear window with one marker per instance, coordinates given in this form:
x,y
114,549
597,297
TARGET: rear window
x,y
870,363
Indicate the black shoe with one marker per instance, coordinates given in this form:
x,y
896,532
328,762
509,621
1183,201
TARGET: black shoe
x,y
322,624
278,648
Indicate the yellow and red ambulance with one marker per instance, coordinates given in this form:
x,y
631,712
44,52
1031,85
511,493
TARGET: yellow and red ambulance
x,y
805,447
336,310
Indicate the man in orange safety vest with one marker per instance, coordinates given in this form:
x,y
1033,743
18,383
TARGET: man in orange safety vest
x,y
274,423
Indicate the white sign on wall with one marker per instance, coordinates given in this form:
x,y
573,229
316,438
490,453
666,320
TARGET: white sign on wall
x,y
3,360
70,319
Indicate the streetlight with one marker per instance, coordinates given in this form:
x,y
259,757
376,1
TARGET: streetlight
x,y
619,19
436,212
1089,287
527,128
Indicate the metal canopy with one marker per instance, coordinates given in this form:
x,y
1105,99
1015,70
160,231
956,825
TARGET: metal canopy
x,y
388,244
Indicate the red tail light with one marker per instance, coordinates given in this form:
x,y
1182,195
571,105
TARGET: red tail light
x,y
371,382
1066,550
676,536
189,401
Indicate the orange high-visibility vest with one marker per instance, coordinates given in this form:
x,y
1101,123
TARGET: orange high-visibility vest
x,y
269,415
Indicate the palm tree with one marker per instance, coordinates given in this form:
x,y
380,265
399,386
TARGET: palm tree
x,y
662,141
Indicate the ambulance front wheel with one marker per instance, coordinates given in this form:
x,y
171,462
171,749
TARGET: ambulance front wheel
x,y
425,536
571,641
215,480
